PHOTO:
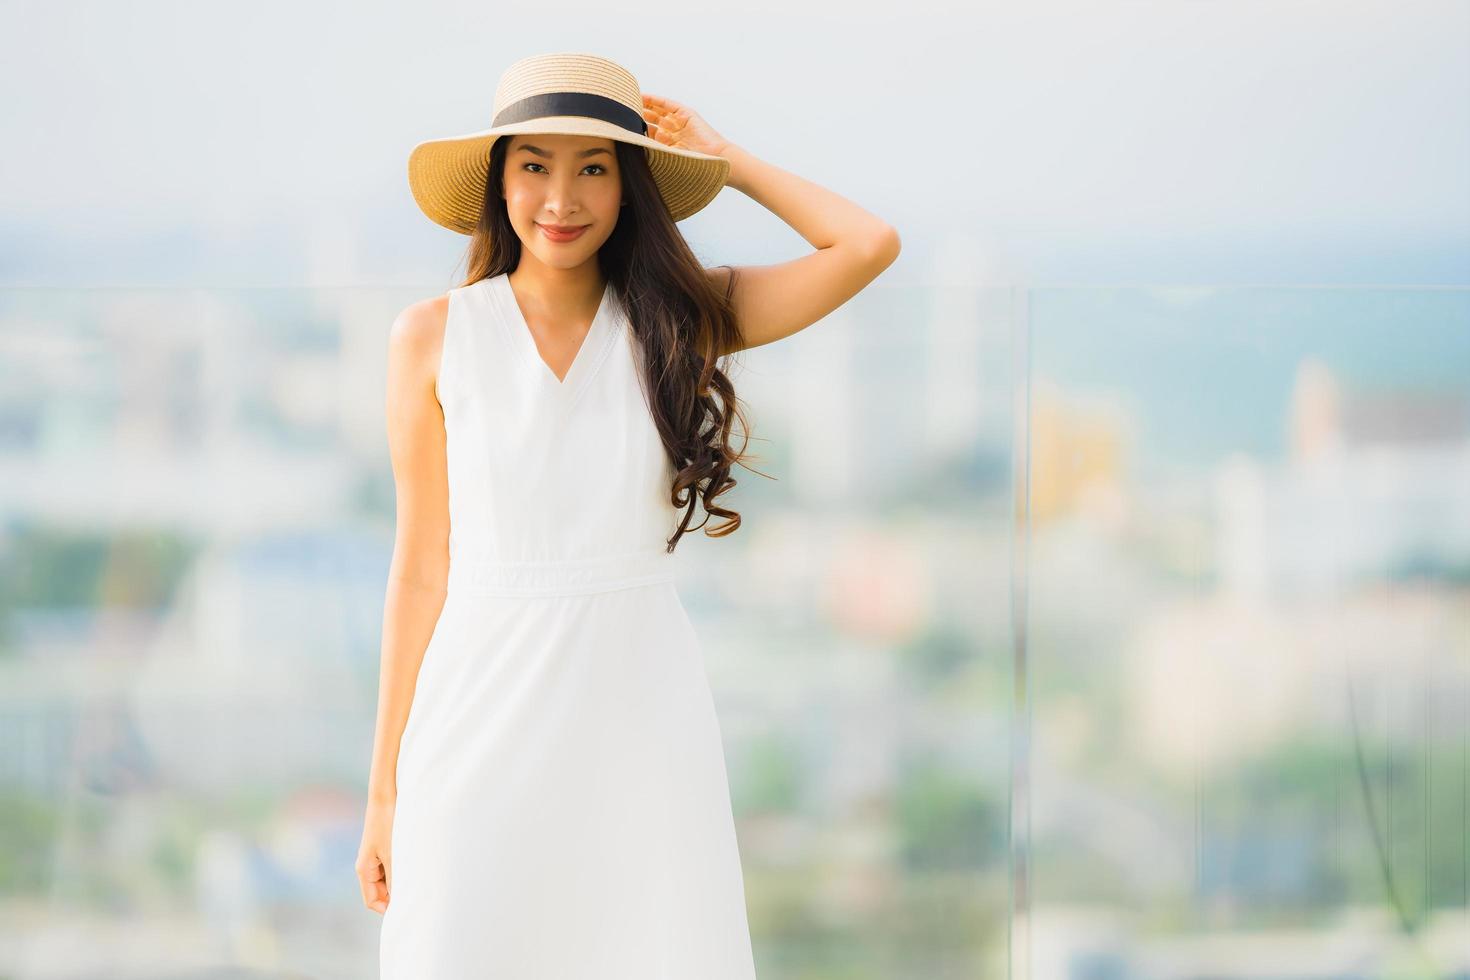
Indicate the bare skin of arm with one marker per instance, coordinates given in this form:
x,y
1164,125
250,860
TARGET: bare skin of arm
x,y
853,246
418,574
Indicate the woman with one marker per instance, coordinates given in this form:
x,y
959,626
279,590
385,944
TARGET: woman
x,y
548,794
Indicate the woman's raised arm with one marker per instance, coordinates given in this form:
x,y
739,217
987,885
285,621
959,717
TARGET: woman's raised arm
x,y
774,301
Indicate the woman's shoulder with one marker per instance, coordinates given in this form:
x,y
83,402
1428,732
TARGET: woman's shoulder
x,y
418,329
422,315
719,277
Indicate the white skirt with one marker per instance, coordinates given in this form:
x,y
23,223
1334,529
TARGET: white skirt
x,y
563,808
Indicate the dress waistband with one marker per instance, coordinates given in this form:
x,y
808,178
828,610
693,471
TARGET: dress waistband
x,y
562,576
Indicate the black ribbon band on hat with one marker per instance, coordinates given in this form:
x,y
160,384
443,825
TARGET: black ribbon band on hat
x,y
572,104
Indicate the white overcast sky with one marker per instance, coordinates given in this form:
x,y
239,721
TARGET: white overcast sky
x,y
1194,140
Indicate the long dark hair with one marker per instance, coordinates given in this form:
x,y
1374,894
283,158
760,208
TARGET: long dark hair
x,y
680,320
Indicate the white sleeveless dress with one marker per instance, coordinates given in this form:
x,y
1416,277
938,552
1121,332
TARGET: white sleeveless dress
x,y
563,808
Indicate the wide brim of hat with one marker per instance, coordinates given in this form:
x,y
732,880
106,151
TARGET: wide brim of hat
x,y
447,175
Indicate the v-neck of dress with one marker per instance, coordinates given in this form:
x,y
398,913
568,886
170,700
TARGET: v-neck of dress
x,y
592,347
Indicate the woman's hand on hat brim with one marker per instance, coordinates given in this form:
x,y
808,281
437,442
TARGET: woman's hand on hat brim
x,y
675,124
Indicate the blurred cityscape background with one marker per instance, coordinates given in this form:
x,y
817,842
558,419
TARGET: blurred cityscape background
x,y
1106,615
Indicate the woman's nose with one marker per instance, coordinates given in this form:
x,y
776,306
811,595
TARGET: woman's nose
x,y
560,201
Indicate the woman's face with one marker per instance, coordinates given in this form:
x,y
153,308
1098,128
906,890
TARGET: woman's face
x,y
562,180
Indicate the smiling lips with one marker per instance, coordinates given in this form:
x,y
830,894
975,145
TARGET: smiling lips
x,y
561,233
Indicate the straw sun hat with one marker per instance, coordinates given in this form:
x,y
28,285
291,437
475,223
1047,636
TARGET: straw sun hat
x,y
567,93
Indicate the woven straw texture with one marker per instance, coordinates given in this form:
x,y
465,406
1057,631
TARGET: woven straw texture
x,y
447,175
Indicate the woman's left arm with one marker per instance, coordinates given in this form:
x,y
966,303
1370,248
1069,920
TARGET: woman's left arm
x,y
852,245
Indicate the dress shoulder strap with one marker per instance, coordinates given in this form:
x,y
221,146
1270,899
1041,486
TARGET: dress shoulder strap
x,y
466,335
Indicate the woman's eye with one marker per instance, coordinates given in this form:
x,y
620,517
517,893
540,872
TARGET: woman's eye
x,y
600,167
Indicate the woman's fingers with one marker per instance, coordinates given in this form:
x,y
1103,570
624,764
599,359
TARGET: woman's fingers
x,y
673,123
371,877
377,897
664,107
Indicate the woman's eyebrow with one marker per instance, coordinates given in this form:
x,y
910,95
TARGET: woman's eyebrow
x,y
546,153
